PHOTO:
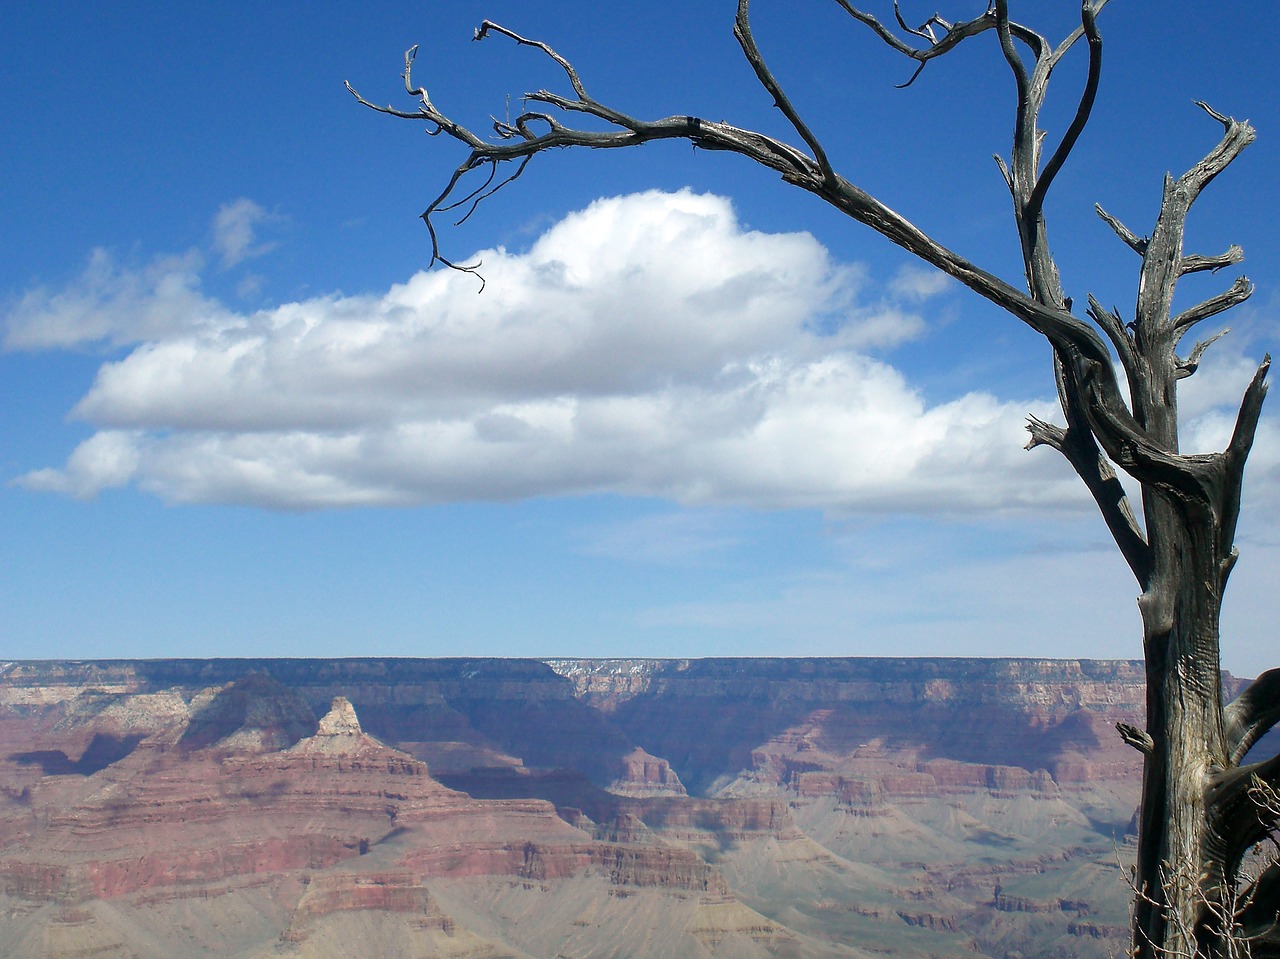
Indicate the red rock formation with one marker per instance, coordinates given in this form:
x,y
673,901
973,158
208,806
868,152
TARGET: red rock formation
x,y
384,892
132,784
646,775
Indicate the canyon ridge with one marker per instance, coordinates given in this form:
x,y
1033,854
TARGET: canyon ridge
x,y
567,809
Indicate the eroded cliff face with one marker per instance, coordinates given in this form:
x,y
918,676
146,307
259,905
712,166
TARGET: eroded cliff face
x,y
827,807
708,717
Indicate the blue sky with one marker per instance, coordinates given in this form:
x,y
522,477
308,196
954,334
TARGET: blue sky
x,y
693,412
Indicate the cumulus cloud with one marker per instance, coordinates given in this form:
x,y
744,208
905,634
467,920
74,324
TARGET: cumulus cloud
x,y
647,345
107,459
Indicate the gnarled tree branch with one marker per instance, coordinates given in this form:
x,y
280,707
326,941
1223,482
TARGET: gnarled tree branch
x,y
1089,28
746,40
1192,363
1234,818
1240,291
1132,240
1252,714
1195,263
1139,739
952,35
1107,414
1162,262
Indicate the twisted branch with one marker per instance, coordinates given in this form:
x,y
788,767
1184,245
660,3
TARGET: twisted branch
x,y
1089,28
1132,241
1195,263
953,34
1192,363
1240,291
1252,714
746,40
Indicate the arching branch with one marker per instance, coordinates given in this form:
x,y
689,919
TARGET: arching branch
x,y
1025,140
1132,240
1252,714
1192,363
1240,291
746,40
1195,263
1110,323
1089,28
488,26
953,34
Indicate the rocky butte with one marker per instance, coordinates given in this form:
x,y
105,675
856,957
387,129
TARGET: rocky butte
x,y
570,808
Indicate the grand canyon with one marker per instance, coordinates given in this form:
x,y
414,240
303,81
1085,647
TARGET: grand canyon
x,y
566,809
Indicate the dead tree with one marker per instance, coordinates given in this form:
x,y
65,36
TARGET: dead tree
x,y
1198,818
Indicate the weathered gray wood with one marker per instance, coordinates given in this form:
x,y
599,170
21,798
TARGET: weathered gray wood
x,y
1201,810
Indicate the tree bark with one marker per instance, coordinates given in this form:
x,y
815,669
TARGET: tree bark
x,y
1180,873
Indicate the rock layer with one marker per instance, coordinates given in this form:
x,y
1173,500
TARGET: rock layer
x,y
732,807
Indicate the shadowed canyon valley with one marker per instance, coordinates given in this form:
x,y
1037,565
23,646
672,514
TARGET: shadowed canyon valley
x,y
566,809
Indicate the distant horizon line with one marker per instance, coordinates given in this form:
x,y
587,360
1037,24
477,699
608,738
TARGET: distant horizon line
x,y
557,659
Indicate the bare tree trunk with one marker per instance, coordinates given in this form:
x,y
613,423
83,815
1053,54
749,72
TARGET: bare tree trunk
x,y
1184,710
1201,812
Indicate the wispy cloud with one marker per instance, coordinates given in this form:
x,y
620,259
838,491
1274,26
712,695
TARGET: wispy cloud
x,y
671,538
115,304
235,229
915,284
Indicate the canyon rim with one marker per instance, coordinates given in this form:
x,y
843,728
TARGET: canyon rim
x,y
566,808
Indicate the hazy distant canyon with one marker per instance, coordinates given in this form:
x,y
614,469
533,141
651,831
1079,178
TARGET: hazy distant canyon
x,y
566,809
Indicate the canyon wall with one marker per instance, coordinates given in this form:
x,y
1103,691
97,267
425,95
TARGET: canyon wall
x,y
487,807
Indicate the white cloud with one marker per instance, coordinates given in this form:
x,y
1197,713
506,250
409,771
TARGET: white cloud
x,y
918,283
107,459
234,231
647,345
116,305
